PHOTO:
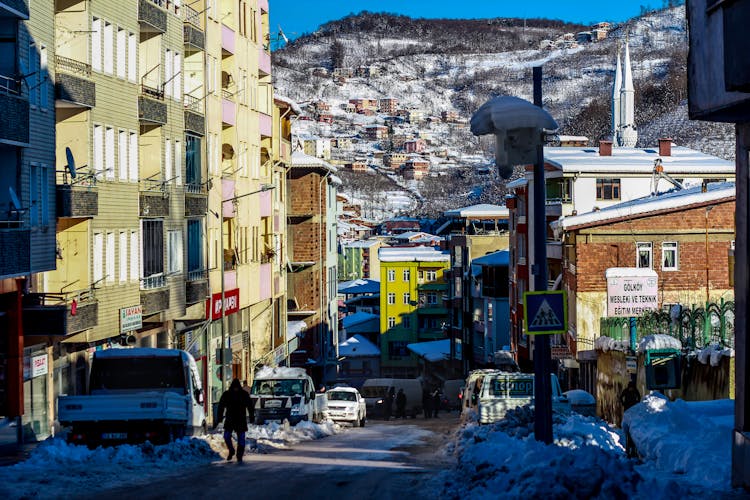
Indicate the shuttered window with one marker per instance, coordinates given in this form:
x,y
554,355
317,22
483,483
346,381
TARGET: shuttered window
x,y
167,160
178,162
109,35
177,82
195,244
122,152
134,254
98,257
109,153
133,157
96,44
98,150
122,41
123,257
153,247
110,257
174,251
131,57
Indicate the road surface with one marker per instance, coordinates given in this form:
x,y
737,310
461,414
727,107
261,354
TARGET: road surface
x,y
381,461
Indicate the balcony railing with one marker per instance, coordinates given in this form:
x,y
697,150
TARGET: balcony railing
x,y
72,66
153,282
10,85
152,92
227,94
197,275
192,103
192,16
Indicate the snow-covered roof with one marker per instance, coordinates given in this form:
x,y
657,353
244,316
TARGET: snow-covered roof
x,y
636,161
359,286
413,254
517,183
499,258
283,99
433,351
336,181
280,372
357,318
482,210
659,341
300,159
415,235
665,201
294,328
363,243
358,345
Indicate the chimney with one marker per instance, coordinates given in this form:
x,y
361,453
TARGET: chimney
x,y
605,148
665,147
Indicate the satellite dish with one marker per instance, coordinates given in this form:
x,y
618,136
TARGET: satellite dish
x,y
14,199
71,162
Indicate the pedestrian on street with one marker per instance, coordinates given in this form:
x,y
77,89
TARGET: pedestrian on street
x,y
427,403
235,402
401,404
436,400
388,403
246,387
628,398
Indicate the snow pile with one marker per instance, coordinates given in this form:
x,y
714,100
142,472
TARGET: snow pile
x,y
59,468
713,354
659,341
268,372
282,435
685,441
579,397
609,344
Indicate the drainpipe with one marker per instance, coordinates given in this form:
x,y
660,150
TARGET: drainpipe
x,y
321,227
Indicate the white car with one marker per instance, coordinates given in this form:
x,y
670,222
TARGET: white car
x,y
345,404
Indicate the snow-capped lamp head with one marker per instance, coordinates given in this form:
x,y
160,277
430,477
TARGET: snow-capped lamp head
x,y
518,127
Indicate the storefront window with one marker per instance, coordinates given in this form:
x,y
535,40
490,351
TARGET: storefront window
x,y
35,420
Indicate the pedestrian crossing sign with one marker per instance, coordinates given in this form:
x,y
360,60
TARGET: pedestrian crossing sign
x,y
545,312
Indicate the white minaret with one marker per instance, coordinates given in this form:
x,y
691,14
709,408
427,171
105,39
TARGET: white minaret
x,y
629,135
616,89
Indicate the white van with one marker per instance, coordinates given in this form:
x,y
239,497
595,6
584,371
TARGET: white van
x,y
503,391
283,394
375,391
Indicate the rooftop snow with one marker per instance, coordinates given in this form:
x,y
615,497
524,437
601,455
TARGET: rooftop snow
x,y
358,345
499,258
300,159
517,183
636,160
483,210
295,107
665,201
413,254
357,318
434,351
659,341
362,243
359,286
630,272
294,328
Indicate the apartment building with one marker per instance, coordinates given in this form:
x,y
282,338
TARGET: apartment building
x,y
27,202
412,285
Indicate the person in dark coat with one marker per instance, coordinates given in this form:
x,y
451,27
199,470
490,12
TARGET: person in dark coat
x,y
436,400
427,403
628,398
388,403
401,404
238,406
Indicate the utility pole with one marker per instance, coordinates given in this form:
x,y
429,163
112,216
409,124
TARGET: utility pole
x,y
542,355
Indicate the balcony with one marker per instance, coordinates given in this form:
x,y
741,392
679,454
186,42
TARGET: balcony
x,y
228,112
14,120
196,286
195,121
266,125
264,62
554,250
59,314
15,249
196,200
151,18
151,106
285,151
154,294
73,86
153,204
553,208
76,202
193,35
227,40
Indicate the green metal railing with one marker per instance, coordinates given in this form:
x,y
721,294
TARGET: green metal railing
x,y
696,327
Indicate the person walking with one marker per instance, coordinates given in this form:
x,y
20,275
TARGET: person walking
x,y
401,404
628,398
427,403
436,400
235,402
388,403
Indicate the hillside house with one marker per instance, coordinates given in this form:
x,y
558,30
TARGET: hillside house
x,y
357,166
348,107
367,71
449,116
399,225
415,168
415,115
394,161
343,73
315,146
415,146
324,117
374,132
388,106
360,104
343,143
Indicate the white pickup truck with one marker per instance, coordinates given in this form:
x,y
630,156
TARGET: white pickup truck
x,y
345,404
283,393
136,395
502,391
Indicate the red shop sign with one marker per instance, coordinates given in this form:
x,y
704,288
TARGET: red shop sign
x,y
231,304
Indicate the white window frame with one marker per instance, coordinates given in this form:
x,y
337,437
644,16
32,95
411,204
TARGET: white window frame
x,y
646,246
670,246
98,150
123,257
167,160
391,321
109,50
109,153
135,249
98,256
431,275
391,275
96,44
178,162
406,274
168,81
109,259
122,154
407,298
391,298
44,78
174,251
44,195
122,43
133,157
177,74
132,65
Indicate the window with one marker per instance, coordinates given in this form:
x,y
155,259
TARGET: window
x,y
131,57
192,160
153,247
420,275
122,38
406,322
431,298
98,257
406,274
167,160
669,256
391,321
133,157
43,76
608,189
391,298
108,47
431,275
177,82
35,175
110,258
134,264
168,73
122,154
109,153
178,162
644,252
98,150
32,78
391,275
123,257
407,298
174,251
195,245
96,44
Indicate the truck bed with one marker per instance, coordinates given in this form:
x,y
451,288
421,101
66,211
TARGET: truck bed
x,y
164,406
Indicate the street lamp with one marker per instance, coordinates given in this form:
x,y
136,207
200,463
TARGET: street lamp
x,y
519,128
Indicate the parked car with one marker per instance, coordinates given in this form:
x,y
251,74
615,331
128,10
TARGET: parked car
x,y
136,395
503,391
452,394
346,404
284,394
375,391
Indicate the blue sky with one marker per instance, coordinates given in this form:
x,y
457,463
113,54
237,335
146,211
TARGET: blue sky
x,y
298,17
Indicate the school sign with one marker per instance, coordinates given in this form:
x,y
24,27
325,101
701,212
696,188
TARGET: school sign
x,y
631,291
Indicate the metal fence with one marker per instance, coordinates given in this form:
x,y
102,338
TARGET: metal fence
x,y
694,326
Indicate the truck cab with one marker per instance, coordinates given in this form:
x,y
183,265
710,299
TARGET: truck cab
x,y
346,404
504,391
283,394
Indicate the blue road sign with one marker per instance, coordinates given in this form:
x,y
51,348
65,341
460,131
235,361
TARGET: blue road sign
x,y
545,312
